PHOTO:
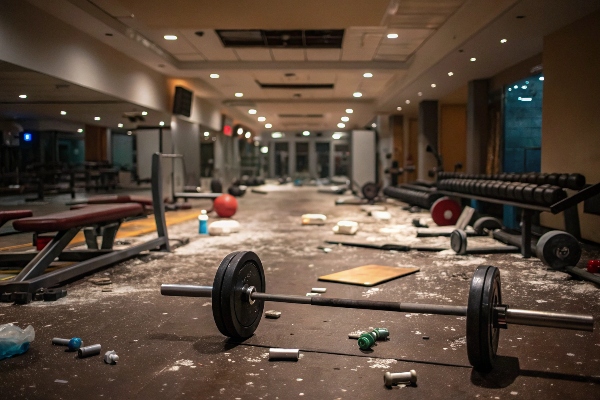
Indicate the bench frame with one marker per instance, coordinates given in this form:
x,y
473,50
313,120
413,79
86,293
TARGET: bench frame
x,y
34,276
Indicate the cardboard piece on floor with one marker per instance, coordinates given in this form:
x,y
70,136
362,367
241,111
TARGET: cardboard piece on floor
x,y
368,275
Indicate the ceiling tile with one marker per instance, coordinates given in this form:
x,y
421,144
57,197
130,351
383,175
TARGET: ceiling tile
x,y
189,57
256,54
209,45
323,54
360,44
288,54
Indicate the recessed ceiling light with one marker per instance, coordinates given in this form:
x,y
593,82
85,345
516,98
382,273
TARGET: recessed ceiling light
x,y
268,126
79,130
170,37
473,59
345,119
162,123
516,86
206,134
399,108
357,94
252,111
407,101
541,78
368,75
240,130
373,125
336,136
120,125
239,94
392,36
129,133
214,76
261,119
23,96
97,118
264,149
420,94
503,40
276,135
349,111
450,73
306,133
341,125
433,85
144,112
509,89
63,113
248,134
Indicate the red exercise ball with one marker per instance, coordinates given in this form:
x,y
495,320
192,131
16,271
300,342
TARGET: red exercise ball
x,y
225,205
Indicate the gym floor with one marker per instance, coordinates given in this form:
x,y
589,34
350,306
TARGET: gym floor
x,y
169,347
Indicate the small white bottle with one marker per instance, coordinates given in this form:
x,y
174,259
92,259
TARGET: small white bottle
x,y
203,223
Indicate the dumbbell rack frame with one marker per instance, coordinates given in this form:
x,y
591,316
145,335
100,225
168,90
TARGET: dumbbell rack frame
x,y
568,205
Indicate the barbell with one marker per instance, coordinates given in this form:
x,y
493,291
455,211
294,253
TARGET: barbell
x,y
238,296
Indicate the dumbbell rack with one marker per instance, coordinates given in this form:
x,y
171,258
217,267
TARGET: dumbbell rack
x,y
568,205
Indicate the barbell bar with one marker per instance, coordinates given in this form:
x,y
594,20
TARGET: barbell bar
x,y
238,296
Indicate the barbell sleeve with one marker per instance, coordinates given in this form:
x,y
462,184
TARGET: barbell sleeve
x,y
167,289
550,319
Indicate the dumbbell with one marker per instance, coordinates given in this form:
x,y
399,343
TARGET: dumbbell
x,y
238,296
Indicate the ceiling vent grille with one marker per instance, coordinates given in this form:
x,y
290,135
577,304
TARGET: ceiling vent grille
x,y
300,115
291,39
295,86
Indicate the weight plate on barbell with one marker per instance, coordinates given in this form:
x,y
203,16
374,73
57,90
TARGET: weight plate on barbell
x,y
458,241
370,190
486,224
234,316
558,249
482,332
445,211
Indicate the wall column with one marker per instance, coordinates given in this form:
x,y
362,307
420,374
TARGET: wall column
x,y
477,126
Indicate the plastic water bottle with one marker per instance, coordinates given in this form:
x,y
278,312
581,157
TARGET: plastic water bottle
x,y
203,223
14,340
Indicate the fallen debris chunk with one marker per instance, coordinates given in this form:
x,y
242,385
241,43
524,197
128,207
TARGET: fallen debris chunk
x,y
273,314
318,290
100,281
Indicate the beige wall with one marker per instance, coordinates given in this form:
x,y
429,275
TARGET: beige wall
x,y
571,109
453,135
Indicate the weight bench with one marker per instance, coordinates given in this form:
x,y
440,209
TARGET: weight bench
x,y
103,218
6,216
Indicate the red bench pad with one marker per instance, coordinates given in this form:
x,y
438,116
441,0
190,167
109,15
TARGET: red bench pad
x,y
6,216
120,199
83,217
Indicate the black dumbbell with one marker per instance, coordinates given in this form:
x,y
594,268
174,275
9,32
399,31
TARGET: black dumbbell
x,y
528,191
496,189
532,177
562,180
552,179
542,178
576,182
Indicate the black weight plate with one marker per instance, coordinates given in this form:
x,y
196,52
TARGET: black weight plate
x,y
370,190
234,316
216,186
482,332
486,224
458,241
558,249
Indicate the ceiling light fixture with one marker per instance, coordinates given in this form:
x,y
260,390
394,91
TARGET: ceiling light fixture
x,y
345,119
473,59
261,119
433,85
341,125
407,101
252,111
420,94
170,37
368,75
120,125
399,108
357,94
63,113
450,73
96,118
264,149
336,136
392,36
306,133
373,125
503,40
541,78
248,134
23,96
268,126
144,112
214,76
276,135
79,130
206,134
129,133
240,130
349,111
239,94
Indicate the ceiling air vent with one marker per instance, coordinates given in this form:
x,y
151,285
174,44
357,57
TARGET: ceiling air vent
x,y
300,115
293,39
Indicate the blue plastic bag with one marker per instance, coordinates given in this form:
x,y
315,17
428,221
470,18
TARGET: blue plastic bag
x,y
14,340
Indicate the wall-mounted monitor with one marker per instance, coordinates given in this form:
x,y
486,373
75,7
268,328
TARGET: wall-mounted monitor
x,y
182,104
